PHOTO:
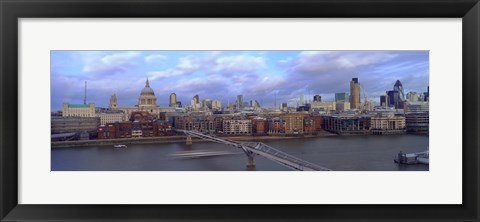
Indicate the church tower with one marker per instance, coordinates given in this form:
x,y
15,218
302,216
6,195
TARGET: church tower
x,y
113,102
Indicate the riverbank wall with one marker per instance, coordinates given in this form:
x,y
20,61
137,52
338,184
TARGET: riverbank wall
x,y
173,139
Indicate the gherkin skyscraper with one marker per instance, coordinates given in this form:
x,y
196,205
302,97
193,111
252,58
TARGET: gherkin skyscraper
x,y
399,88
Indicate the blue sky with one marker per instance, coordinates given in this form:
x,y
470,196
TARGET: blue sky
x,y
259,75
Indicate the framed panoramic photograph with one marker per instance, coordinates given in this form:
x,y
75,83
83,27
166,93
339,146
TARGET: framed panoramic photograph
x,y
224,110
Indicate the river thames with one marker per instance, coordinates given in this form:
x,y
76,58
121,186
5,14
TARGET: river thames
x,y
339,153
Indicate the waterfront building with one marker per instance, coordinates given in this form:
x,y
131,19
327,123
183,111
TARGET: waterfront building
x,y
202,123
142,121
317,98
309,125
347,124
294,123
417,122
78,110
387,123
323,106
73,124
115,130
416,107
237,127
354,94
276,125
318,121
173,100
110,116
107,131
259,126
141,126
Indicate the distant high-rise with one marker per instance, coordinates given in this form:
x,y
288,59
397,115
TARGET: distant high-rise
x,y
394,99
317,98
384,101
173,100
113,102
426,94
399,87
254,103
196,102
196,98
302,100
412,97
354,93
239,101
342,97
284,107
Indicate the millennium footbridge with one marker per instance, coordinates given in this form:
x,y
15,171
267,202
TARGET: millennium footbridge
x,y
251,149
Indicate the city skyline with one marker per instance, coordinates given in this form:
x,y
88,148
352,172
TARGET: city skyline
x,y
222,75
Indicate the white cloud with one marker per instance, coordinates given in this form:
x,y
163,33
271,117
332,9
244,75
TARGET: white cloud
x,y
326,61
109,64
155,58
166,73
239,63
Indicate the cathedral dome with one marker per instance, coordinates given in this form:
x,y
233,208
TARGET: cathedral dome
x,y
147,90
147,97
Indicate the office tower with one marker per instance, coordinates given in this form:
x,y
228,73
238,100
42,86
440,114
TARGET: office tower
x,y
196,98
302,100
342,97
394,99
354,93
173,100
284,107
317,98
426,95
239,101
412,97
384,101
254,103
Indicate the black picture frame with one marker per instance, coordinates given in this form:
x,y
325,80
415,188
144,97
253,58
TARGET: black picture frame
x,y
12,10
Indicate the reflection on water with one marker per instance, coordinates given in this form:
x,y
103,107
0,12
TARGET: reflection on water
x,y
351,153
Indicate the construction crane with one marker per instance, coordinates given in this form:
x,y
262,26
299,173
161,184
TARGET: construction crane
x,y
365,99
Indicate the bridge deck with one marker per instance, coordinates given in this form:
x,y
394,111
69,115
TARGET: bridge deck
x,y
264,150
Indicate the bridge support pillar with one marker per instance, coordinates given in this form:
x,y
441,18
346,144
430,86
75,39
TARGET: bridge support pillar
x,y
251,163
189,140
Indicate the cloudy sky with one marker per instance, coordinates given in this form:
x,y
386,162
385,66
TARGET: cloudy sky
x,y
259,75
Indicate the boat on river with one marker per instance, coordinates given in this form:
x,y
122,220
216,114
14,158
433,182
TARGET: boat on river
x,y
120,146
413,158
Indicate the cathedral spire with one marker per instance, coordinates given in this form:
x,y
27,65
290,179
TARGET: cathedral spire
x,y
147,84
